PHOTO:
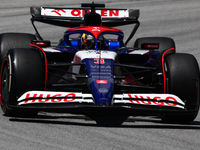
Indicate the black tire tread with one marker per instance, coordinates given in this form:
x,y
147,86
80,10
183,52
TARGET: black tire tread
x,y
183,81
27,74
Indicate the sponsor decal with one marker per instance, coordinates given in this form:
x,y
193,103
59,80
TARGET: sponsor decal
x,y
151,99
57,11
103,90
67,12
89,52
101,81
170,98
96,29
76,13
99,61
53,97
67,99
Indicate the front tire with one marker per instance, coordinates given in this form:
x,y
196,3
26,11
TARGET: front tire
x,y
182,76
22,71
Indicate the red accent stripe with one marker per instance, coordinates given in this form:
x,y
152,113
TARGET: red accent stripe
x,y
0,80
45,61
163,68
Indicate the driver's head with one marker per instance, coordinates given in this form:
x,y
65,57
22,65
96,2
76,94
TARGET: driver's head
x,y
87,41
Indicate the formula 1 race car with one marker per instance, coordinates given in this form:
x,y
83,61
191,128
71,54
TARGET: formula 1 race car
x,y
91,71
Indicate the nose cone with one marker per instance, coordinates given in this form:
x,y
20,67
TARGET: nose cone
x,y
100,75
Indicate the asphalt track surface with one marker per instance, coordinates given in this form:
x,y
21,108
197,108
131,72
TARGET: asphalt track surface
x,y
179,19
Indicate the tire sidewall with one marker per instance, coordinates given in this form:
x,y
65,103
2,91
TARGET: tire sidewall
x,y
26,69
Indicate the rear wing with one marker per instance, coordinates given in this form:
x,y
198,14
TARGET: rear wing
x,y
73,17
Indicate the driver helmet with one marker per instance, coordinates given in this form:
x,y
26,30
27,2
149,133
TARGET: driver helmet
x,y
87,41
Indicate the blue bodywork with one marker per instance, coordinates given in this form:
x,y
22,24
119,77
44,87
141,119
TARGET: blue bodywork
x,y
100,79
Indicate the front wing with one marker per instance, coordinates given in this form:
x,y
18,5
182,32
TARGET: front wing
x,y
77,102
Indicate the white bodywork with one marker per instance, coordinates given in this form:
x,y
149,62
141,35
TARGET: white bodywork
x,y
91,54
